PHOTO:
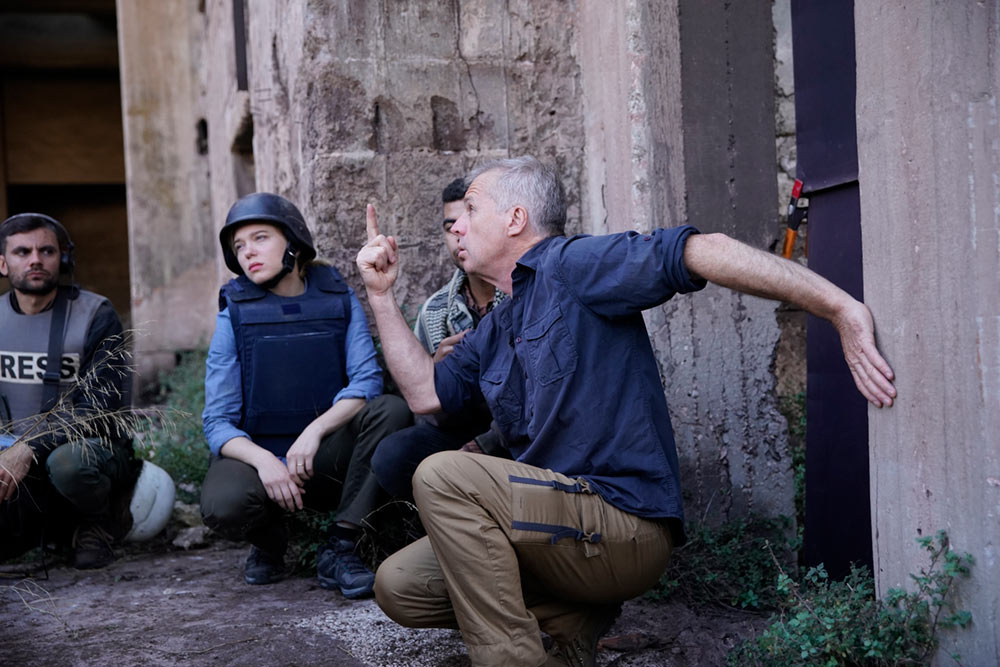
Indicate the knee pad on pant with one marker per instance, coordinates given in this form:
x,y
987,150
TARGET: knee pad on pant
x,y
72,472
410,590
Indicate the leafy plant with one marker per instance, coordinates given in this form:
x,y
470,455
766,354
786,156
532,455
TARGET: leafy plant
x,y
794,409
179,446
729,565
386,530
831,623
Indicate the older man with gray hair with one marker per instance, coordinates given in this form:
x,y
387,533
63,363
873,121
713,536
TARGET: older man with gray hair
x,y
587,514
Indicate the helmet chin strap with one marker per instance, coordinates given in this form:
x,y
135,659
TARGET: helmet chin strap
x,y
287,264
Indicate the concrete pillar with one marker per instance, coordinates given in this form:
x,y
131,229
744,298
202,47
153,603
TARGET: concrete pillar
x,y
172,251
631,75
680,129
229,125
929,157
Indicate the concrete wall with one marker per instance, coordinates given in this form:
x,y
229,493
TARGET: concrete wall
x,y
630,64
680,125
929,154
172,252
226,111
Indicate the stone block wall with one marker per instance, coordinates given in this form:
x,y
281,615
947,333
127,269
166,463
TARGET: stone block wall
x,y
356,102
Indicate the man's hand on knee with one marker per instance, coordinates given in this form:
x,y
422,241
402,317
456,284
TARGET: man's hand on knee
x,y
471,446
15,461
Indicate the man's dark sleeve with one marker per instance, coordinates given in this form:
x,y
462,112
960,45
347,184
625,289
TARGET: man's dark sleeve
x,y
618,275
456,377
107,359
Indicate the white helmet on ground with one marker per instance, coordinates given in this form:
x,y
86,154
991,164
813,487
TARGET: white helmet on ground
x,y
152,503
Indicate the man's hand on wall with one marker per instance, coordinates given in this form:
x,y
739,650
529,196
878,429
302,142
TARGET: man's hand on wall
x,y
872,373
14,464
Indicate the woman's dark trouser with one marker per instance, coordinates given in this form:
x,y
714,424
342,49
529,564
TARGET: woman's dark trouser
x,y
234,502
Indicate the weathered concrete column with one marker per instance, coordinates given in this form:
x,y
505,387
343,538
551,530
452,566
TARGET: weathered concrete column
x,y
680,128
929,156
172,251
228,121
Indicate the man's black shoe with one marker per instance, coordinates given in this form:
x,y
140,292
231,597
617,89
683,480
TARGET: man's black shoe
x,y
92,547
264,568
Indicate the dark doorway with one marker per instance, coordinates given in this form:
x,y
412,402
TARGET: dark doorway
x,y
838,515
61,147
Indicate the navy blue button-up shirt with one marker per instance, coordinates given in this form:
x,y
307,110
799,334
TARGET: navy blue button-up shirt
x,y
568,371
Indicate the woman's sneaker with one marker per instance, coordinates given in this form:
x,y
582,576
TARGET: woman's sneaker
x,y
264,568
339,568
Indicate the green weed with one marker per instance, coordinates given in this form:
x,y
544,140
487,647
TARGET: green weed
x,y
794,409
729,565
832,623
179,447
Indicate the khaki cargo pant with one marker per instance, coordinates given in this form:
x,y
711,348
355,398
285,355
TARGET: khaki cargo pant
x,y
512,550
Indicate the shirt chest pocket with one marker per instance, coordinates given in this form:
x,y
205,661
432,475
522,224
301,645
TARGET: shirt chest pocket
x,y
551,350
503,393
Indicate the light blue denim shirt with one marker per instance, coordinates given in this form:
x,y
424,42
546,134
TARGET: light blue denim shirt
x,y
224,387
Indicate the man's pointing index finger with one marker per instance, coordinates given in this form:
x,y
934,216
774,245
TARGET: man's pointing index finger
x,y
370,224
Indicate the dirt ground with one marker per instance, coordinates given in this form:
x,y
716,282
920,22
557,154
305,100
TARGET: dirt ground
x,y
177,607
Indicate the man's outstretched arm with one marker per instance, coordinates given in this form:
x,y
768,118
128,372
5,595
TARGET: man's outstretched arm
x,y
727,262
408,361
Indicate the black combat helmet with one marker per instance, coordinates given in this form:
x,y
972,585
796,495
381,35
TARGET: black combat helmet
x,y
271,209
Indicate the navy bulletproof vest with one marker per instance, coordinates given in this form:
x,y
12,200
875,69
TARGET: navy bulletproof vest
x,y
292,353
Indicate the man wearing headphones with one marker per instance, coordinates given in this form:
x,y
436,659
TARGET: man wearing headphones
x,y
66,469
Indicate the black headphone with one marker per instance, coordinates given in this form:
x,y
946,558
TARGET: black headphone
x,y
66,247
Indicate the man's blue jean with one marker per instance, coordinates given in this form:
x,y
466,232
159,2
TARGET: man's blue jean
x,y
399,454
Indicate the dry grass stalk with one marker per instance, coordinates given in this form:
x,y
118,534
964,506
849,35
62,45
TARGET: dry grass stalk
x,y
79,413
